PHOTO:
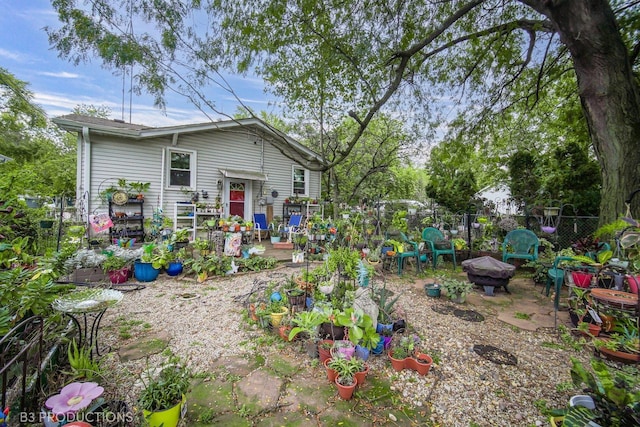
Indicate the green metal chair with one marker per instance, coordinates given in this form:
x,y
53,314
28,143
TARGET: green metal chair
x,y
520,244
555,276
433,237
401,256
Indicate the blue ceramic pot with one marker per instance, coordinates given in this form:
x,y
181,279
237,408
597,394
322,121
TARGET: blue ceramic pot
x,y
276,296
174,268
379,348
144,271
362,353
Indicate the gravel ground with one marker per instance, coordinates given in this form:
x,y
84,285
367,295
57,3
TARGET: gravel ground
x,y
463,389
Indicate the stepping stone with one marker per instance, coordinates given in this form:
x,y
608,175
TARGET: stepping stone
x,y
259,392
152,344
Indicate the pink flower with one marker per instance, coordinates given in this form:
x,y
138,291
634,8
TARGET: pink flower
x,y
73,397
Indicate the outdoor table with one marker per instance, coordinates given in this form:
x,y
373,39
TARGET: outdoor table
x,y
488,272
85,308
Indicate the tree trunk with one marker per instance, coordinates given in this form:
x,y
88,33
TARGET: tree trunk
x,y
609,94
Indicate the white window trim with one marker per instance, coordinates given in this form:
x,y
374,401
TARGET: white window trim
x,y
306,181
193,162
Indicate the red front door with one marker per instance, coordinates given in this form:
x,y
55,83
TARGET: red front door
x,y
236,198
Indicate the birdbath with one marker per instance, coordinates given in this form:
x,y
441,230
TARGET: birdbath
x,y
86,308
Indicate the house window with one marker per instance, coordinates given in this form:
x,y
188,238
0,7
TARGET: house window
x,y
300,181
182,168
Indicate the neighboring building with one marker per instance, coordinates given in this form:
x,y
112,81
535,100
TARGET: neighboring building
x,y
500,196
4,159
248,164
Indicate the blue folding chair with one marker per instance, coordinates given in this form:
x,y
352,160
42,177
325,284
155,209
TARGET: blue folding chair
x,y
293,226
260,228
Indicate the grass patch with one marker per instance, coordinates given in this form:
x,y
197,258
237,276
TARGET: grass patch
x,y
281,367
522,316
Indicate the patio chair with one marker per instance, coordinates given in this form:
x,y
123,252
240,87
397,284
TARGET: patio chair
x,y
294,225
438,245
520,244
555,276
260,228
414,253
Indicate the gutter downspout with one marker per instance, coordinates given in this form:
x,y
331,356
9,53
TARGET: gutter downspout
x,y
87,166
162,169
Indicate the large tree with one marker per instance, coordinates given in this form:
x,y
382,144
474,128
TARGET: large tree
x,y
389,55
42,159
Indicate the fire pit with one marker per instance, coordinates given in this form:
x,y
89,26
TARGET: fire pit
x,y
488,273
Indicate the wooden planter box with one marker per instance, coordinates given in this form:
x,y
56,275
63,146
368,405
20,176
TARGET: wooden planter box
x,y
90,275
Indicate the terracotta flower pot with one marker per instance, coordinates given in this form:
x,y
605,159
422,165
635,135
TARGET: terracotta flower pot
x,y
324,353
346,391
397,364
331,373
252,312
620,356
421,363
283,331
362,375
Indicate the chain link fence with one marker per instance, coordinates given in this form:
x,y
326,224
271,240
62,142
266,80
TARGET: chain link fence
x,y
491,230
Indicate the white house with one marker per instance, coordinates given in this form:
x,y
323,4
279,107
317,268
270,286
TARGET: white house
x,y
250,166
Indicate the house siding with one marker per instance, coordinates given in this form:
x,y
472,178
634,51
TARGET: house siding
x,y
141,161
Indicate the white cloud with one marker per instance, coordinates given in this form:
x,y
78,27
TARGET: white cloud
x,y
14,56
61,75
56,104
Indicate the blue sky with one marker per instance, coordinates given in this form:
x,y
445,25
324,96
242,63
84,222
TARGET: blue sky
x,y
59,86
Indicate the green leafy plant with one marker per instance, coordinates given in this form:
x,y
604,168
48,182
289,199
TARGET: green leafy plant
x,y
359,325
344,368
147,252
140,187
82,366
201,244
162,257
456,288
385,303
113,263
306,322
344,259
405,346
616,394
181,235
165,389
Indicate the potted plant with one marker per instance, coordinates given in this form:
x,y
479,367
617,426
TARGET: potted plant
x,y
360,370
457,290
307,323
360,330
277,310
622,346
614,393
140,188
201,246
405,353
402,347
163,395
117,268
345,379
175,266
180,238
143,269
162,256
